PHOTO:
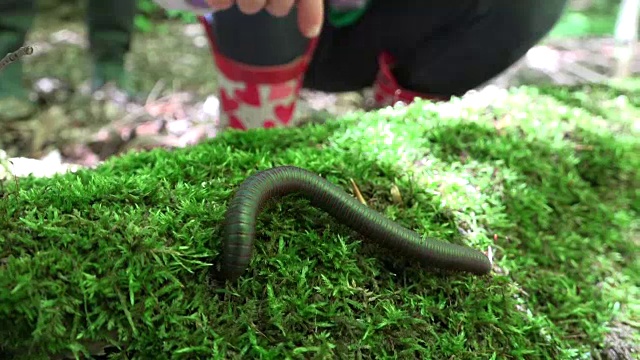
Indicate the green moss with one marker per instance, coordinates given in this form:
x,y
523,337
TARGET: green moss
x,y
122,253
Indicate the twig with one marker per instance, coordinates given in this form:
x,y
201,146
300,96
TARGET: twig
x,y
580,147
585,73
15,56
357,192
155,91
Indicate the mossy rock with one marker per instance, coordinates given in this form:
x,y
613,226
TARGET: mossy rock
x,y
121,255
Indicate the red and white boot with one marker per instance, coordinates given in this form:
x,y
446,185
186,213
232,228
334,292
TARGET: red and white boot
x,y
258,96
387,91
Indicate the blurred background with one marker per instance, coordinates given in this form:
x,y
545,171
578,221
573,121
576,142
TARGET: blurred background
x,y
171,64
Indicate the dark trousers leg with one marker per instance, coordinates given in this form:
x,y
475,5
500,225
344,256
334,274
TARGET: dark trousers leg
x,y
260,39
110,25
442,47
16,18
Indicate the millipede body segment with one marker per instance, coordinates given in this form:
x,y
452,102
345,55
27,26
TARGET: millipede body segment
x,y
272,184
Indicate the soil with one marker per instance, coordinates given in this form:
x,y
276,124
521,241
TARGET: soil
x,y
173,68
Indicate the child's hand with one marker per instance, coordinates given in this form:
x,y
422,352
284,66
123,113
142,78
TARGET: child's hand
x,y
310,12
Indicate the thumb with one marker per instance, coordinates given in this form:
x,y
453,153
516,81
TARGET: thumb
x,y
310,17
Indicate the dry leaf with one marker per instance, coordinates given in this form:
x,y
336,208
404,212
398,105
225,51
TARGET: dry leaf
x,y
395,194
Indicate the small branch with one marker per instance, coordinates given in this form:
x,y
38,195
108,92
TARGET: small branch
x,y
15,56
357,192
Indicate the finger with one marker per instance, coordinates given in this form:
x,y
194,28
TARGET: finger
x,y
310,17
220,4
251,7
279,7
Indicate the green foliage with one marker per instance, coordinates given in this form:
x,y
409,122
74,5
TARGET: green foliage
x,y
598,19
149,13
122,253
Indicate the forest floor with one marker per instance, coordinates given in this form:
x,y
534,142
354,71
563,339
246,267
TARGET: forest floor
x,y
180,107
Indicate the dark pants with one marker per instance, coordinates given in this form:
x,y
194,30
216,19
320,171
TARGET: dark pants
x,y
441,47
110,25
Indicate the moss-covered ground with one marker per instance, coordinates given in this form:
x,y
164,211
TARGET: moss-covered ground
x,y
548,179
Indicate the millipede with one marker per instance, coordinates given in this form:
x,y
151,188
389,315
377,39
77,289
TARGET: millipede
x,y
239,229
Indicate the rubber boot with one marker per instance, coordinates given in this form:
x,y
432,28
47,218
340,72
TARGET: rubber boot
x,y
110,26
386,89
16,18
259,77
